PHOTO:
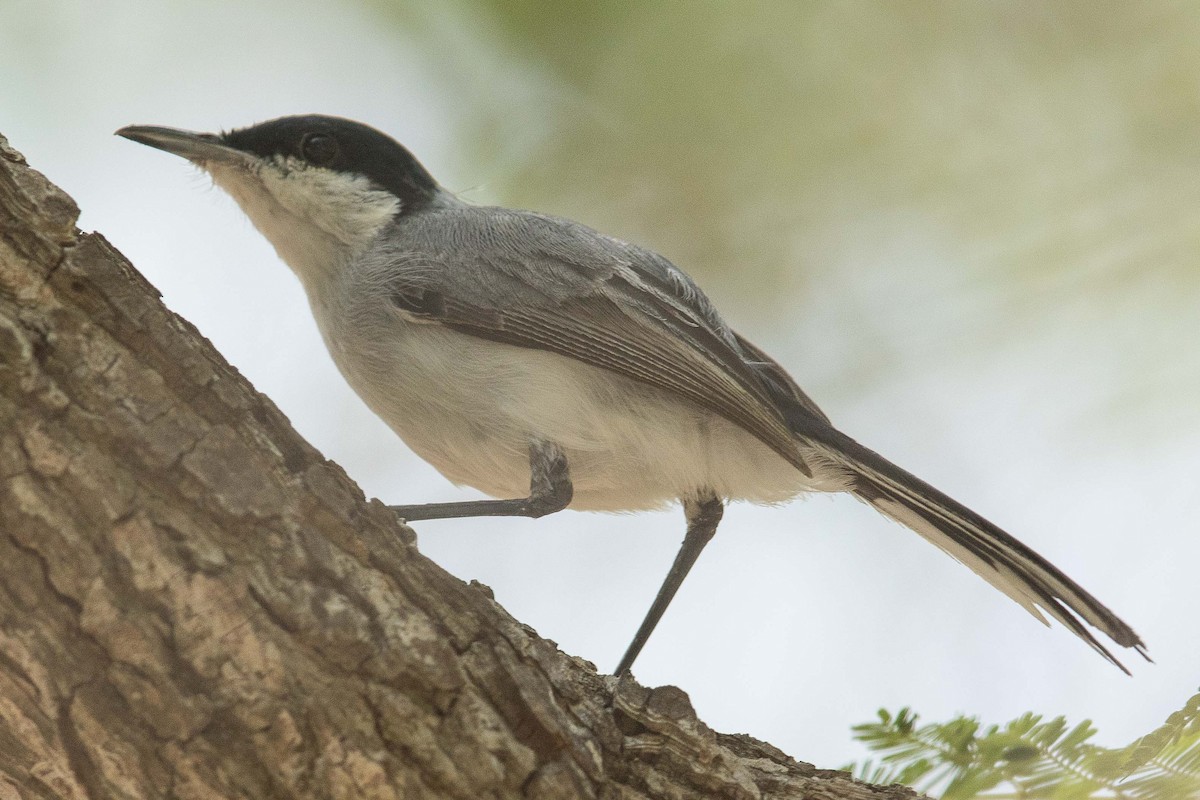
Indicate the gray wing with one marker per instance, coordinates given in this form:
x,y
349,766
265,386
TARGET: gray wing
x,y
551,284
790,397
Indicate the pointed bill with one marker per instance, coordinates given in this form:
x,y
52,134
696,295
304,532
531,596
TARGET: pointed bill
x,y
199,148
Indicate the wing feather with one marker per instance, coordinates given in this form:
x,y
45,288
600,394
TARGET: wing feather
x,y
551,284
597,331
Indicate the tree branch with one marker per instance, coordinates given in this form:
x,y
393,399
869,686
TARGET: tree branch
x,y
195,604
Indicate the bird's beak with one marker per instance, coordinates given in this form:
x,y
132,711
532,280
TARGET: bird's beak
x,y
199,148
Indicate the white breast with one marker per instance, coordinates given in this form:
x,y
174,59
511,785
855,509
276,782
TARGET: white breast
x,y
470,407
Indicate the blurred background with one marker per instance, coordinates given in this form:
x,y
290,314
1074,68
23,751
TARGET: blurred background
x,y
970,230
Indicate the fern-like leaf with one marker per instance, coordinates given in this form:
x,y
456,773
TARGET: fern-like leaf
x,y
1032,759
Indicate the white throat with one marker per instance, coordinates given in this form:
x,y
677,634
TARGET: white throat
x,y
317,219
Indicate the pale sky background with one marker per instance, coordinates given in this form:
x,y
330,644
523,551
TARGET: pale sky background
x,y
970,230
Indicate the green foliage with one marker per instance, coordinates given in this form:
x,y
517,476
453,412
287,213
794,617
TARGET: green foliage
x,y
1032,759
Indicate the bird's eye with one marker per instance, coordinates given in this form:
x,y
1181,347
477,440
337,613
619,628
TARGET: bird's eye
x,y
319,149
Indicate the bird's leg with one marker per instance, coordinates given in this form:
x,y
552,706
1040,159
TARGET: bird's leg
x,y
703,515
549,491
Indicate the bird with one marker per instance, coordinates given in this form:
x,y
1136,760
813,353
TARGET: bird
x,y
551,366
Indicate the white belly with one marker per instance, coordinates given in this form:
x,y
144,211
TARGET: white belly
x,y
470,407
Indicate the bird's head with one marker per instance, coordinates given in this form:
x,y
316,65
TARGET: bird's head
x,y
319,188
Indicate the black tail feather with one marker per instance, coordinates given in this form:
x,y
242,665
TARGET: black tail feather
x,y
994,555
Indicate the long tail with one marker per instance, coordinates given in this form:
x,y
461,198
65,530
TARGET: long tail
x,y
991,553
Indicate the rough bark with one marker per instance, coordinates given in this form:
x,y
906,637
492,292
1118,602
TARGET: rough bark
x,y
195,604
